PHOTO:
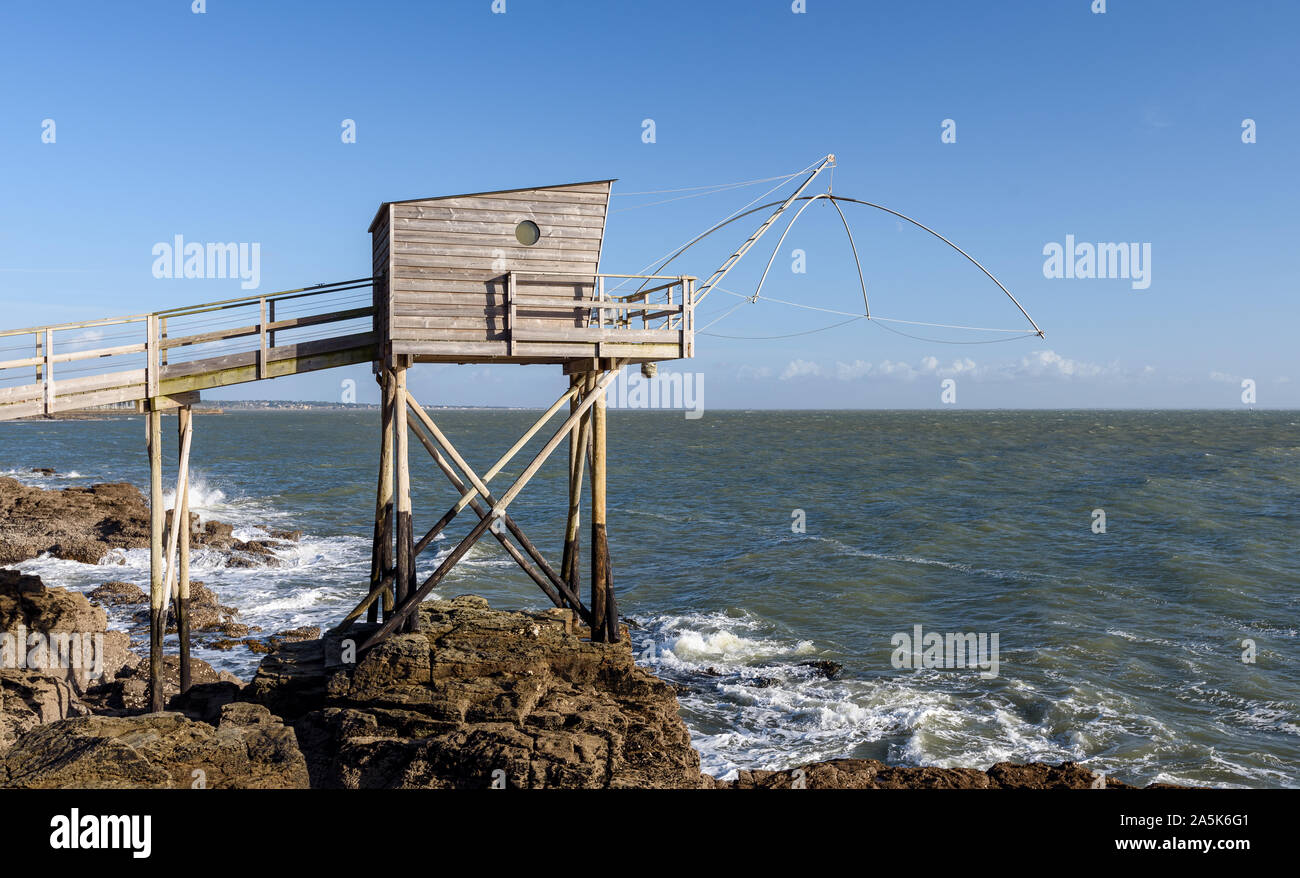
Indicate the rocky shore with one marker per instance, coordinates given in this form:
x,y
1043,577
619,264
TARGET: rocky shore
x,y
477,698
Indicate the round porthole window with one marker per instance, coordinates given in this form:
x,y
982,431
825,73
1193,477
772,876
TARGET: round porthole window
x,y
527,233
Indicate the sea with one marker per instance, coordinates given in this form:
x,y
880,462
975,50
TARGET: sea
x,y
1135,574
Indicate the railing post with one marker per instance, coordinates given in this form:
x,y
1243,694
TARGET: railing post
x,y
261,337
162,335
151,356
271,333
49,371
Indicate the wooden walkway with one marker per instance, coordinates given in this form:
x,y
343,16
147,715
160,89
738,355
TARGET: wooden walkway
x,y
173,354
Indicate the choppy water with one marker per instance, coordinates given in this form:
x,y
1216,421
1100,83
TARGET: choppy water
x,y
1123,649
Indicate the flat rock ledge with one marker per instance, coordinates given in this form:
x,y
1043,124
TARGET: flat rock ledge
x,y
480,698
86,523
247,749
870,774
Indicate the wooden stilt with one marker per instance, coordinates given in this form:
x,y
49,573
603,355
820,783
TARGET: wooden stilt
x,y
381,561
157,618
405,575
571,564
181,520
600,574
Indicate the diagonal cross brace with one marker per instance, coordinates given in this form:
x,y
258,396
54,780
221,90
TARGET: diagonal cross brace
x,y
479,486
557,597
498,509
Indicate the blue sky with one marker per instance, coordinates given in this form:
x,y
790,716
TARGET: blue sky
x,y
1116,127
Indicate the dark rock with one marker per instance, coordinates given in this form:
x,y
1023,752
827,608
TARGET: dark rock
x,y
294,635
870,774
85,523
205,701
828,669
248,749
78,523
119,593
80,649
206,612
29,699
480,695
129,691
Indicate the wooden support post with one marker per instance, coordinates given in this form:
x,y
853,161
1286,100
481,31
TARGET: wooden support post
x,y
181,519
571,564
381,561
600,574
405,582
157,606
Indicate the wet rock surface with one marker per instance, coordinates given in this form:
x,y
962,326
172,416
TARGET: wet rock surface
x,y
79,523
870,774
74,643
248,748
118,593
29,699
87,523
479,697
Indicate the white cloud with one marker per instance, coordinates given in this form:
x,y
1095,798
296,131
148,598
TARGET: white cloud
x,y
1051,364
849,371
1039,364
800,369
